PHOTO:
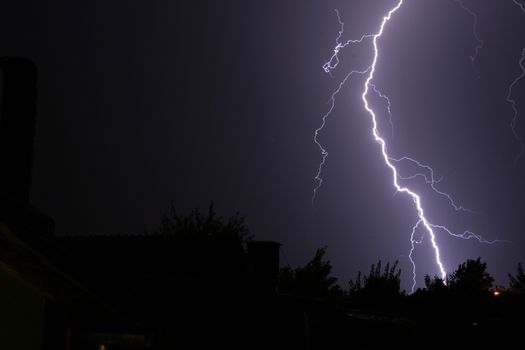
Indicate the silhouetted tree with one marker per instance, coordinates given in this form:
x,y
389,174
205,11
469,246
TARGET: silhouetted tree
x,y
517,283
379,282
355,286
435,284
200,225
312,280
471,277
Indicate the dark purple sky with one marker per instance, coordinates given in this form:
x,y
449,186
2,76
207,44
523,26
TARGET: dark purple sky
x,y
144,102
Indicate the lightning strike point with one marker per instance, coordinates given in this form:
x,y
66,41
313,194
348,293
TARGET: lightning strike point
x,y
382,143
425,171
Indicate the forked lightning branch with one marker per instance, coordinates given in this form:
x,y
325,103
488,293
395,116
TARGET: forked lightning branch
x,y
422,227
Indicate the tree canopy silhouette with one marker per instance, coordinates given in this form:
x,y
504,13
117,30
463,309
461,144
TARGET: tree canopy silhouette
x,y
517,283
470,277
202,225
312,280
435,285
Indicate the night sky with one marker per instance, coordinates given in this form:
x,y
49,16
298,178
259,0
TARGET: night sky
x,y
146,102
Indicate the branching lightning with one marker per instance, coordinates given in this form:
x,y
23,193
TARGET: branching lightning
x,y
324,152
422,226
328,67
334,60
395,178
479,44
430,180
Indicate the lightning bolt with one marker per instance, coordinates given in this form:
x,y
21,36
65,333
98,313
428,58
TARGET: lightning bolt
x,y
426,172
479,44
387,159
511,101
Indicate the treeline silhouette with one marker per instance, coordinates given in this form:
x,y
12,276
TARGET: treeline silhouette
x,y
371,311
464,310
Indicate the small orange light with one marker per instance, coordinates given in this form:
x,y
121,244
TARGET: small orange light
x,y
496,293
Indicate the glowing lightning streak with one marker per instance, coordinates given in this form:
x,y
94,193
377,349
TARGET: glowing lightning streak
x,y
395,175
415,197
389,161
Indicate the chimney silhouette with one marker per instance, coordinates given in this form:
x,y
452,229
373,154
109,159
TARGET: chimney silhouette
x,y
17,126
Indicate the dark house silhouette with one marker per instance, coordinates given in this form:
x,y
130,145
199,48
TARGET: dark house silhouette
x,y
37,296
125,292
172,292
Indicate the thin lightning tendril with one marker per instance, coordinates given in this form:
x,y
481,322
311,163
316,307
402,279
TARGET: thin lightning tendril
x,y
514,107
334,60
328,67
426,172
511,100
479,44
324,152
388,106
429,180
